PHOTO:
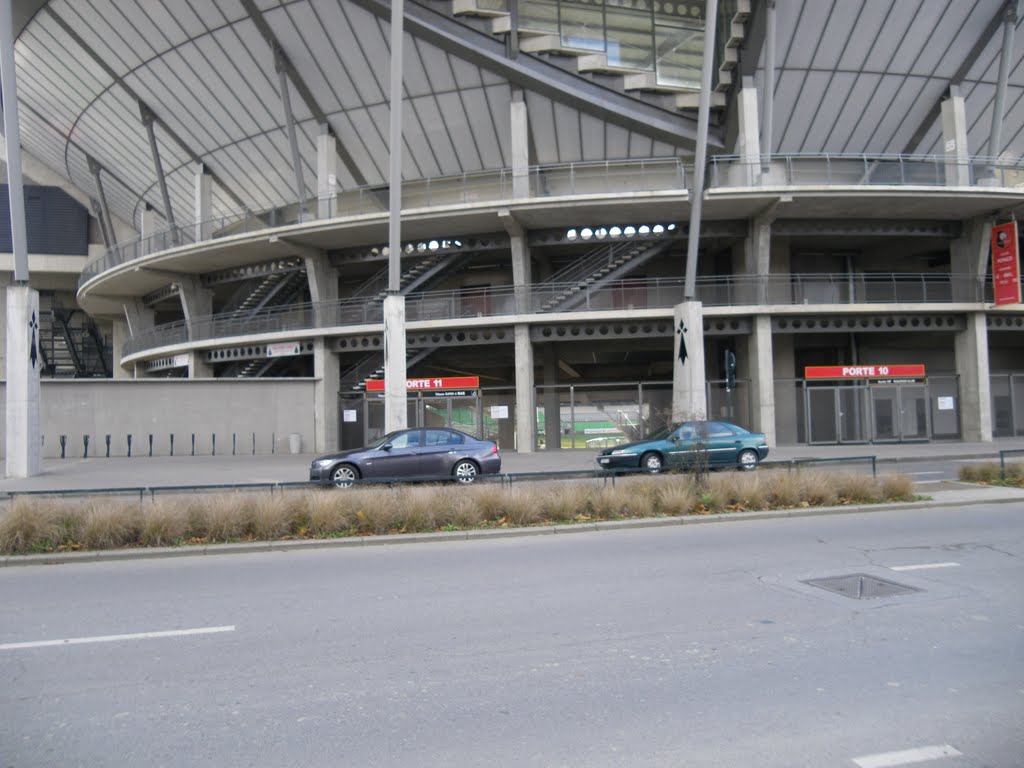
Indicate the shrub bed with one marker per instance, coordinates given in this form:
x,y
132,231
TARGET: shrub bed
x,y
47,524
989,473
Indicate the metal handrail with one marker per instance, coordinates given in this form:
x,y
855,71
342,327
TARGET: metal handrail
x,y
619,295
551,180
852,169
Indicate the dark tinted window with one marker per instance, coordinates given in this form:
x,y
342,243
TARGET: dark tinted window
x,y
443,437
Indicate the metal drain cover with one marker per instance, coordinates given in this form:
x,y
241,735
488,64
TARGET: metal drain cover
x,y
860,586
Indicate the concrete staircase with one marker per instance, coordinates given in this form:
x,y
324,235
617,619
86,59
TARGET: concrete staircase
x,y
679,50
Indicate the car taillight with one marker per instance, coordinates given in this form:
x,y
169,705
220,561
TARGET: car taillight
x,y
495,448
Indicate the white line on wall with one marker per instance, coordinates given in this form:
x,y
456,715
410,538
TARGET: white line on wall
x,y
117,638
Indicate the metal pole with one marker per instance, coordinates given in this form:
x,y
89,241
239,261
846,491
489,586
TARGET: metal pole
x,y
769,87
703,111
395,147
300,184
148,118
12,134
1009,22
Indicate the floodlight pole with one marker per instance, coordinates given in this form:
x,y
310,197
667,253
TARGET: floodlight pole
x,y
703,113
395,413
23,359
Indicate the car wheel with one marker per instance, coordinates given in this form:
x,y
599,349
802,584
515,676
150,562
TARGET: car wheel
x,y
651,462
747,460
465,471
344,475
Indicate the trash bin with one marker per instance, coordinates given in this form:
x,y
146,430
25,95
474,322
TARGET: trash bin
x,y
294,442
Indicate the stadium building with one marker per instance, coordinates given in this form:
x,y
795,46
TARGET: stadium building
x,y
207,207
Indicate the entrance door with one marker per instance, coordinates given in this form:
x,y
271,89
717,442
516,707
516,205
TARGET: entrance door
x,y
900,412
914,412
822,415
853,414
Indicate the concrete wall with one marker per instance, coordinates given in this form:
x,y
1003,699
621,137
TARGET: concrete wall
x,y
271,408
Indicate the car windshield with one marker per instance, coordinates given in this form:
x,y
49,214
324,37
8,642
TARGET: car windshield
x,y
662,433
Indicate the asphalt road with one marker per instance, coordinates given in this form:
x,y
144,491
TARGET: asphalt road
x,y
680,646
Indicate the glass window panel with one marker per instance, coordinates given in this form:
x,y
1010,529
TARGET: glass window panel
x,y
582,25
680,51
630,38
539,16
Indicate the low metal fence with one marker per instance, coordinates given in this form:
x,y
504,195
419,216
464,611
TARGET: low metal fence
x,y
1002,459
503,479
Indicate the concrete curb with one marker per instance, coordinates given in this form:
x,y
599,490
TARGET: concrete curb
x,y
290,545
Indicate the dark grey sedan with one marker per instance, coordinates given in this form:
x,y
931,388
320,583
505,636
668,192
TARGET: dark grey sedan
x,y
431,452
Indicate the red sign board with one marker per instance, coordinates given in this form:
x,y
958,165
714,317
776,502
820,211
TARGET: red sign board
x,y
1005,264
914,371
447,382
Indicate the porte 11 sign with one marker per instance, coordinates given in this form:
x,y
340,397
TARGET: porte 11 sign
x,y
430,385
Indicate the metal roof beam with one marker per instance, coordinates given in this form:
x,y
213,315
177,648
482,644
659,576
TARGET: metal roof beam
x,y
70,32
541,77
283,63
148,118
1010,6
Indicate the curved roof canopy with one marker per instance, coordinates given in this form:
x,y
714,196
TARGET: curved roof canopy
x,y
852,76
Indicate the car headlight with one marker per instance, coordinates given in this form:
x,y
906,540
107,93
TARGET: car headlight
x,y
623,452
321,463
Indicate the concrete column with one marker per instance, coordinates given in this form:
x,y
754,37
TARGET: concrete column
x,y
322,277
748,138
784,355
522,272
196,303
23,364
526,398
969,256
395,373
954,139
121,334
327,375
203,204
971,347
327,166
520,145
198,368
552,402
148,226
689,391
761,365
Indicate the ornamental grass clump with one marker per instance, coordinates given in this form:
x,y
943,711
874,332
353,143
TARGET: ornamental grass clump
x,y
46,524
111,524
27,527
678,495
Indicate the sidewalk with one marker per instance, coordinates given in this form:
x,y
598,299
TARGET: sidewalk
x,y
136,472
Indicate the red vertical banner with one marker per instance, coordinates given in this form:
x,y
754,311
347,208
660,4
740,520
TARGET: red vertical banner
x,y
1005,264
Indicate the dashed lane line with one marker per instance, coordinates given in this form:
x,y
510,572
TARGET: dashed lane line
x,y
906,756
117,638
922,566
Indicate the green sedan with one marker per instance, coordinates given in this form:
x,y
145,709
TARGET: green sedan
x,y
688,445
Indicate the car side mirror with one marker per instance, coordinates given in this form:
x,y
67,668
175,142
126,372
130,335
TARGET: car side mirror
x,y
386,447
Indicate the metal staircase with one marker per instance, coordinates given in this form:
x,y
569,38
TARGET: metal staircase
x,y
608,262
421,273
372,367
70,343
275,289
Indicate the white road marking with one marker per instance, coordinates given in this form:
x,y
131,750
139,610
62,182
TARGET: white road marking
x,y
906,756
934,472
116,638
922,566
